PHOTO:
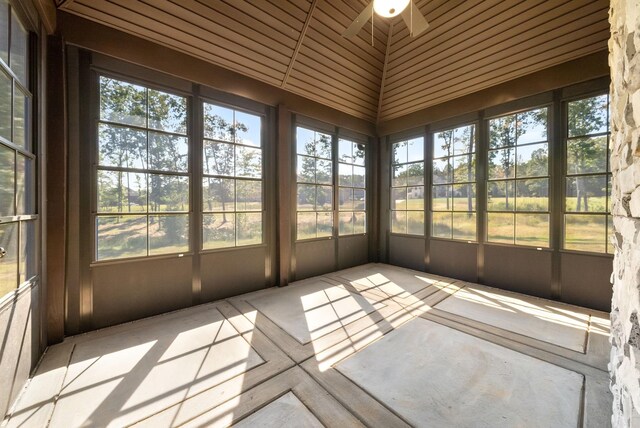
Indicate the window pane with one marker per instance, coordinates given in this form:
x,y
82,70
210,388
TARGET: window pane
x,y
18,53
359,199
532,229
441,171
122,102
25,197
399,151
500,228
441,225
305,144
464,140
533,160
248,195
415,198
587,155
218,194
464,197
415,150
359,222
399,198
502,163
415,173
20,119
399,175
359,176
324,198
306,197
28,268
325,224
464,226
587,194
167,112
441,198
345,199
121,236
248,128
345,174
4,32
218,158
9,263
442,144
306,169
501,196
324,175
218,230
306,225
323,145
464,168
249,228
7,182
168,193
218,123
398,222
588,116
168,152
168,234
345,151
532,126
502,132
248,162
358,154
122,192
345,226
532,195
5,105
415,222
585,232
122,147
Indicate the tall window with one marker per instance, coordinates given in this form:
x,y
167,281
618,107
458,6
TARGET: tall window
x,y
232,178
142,172
453,202
586,220
407,187
314,176
17,182
351,200
518,172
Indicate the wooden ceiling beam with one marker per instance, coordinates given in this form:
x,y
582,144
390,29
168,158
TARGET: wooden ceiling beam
x,y
303,33
384,71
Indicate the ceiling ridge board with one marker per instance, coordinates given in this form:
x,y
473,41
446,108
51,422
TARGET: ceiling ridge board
x,y
502,33
301,37
384,73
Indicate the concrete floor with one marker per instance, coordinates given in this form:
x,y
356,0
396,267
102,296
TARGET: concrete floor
x,y
374,345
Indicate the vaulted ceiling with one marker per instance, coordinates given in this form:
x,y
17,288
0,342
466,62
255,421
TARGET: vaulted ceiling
x,y
297,44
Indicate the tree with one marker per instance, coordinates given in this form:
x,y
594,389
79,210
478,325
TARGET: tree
x,y
586,154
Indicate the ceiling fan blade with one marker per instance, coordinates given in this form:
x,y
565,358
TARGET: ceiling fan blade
x,y
419,23
359,22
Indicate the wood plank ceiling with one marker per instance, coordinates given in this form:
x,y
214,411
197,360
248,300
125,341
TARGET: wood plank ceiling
x,y
296,44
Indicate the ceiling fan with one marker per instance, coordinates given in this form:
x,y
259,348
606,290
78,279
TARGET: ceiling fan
x,y
411,16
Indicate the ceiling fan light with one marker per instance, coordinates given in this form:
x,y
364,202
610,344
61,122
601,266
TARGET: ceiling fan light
x,y
389,8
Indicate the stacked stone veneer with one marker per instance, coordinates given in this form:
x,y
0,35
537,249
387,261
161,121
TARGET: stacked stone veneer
x,y
624,59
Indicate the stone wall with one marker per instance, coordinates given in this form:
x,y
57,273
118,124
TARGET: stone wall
x,y
624,59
